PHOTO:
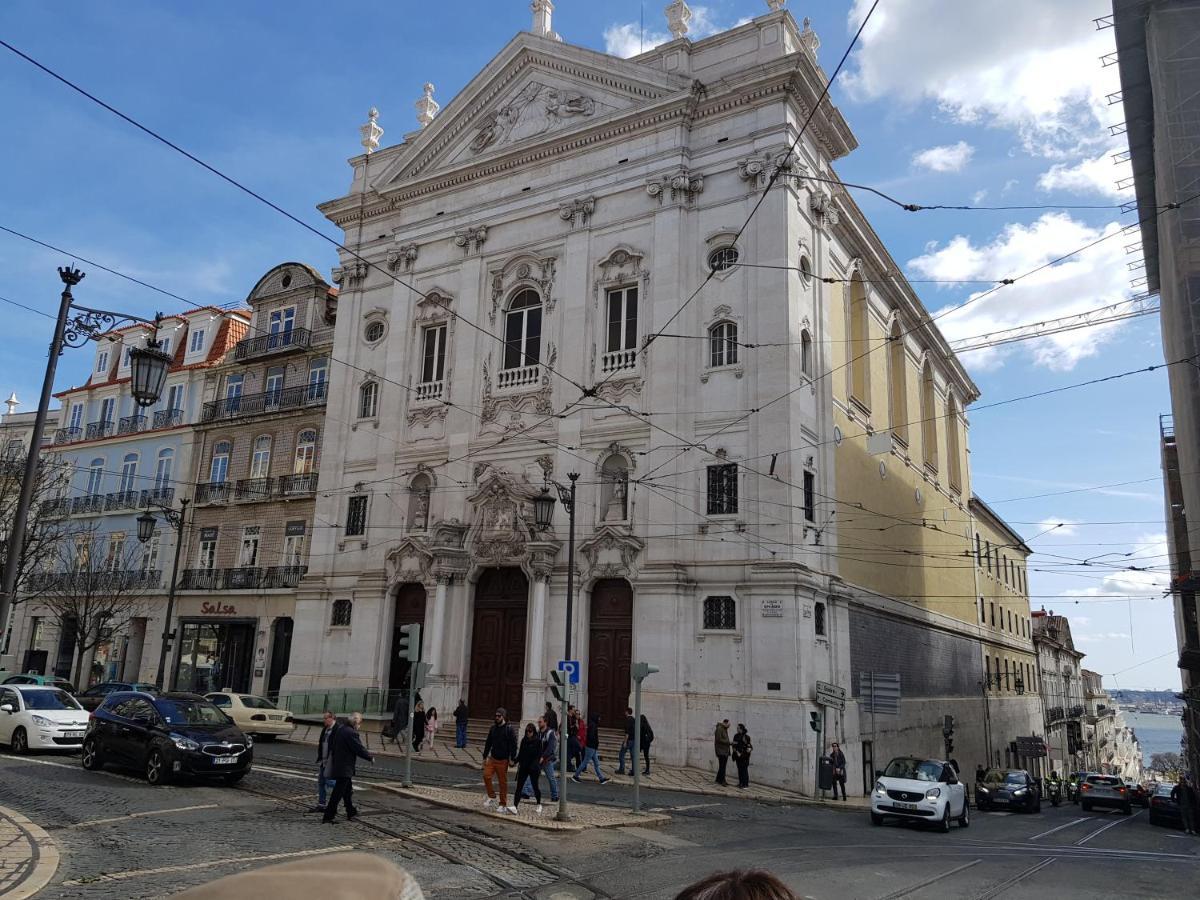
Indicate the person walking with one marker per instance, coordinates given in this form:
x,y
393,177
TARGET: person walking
x,y
499,751
591,750
346,749
721,745
418,726
742,748
627,745
529,755
838,760
550,716
324,782
431,726
461,716
398,727
573,739
549,760
647,739
1184,794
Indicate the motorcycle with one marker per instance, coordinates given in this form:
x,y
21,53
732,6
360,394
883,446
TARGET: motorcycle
x,y
1054,791
1073,791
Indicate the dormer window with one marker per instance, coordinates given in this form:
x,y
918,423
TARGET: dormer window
x,y
101,362
197,341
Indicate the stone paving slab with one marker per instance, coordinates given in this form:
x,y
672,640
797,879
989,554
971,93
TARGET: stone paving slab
x,y
583,815
28,856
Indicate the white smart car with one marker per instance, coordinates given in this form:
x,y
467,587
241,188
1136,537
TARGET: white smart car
x,y
254,715
36,717
920,789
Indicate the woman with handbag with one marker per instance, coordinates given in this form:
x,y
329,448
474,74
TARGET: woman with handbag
x,y
742,748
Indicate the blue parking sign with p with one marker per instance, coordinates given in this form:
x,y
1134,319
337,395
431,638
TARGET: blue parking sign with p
x,y
570,667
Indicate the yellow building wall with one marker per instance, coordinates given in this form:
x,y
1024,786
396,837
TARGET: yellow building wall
x,y
1001,598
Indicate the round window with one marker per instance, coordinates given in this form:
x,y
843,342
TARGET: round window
x,y
374,331
723,258
805,269
286,281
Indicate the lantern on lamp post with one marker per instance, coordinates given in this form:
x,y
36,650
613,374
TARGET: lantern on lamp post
x,y
149,372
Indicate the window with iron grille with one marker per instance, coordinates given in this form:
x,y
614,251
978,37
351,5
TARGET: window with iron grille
x,y
356,515
810,493
819,620
342,610
720,614
723,489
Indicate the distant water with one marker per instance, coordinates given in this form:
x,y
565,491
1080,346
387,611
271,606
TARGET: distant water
x,y
1155,733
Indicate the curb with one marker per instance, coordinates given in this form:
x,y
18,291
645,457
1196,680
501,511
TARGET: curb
x,y
45,856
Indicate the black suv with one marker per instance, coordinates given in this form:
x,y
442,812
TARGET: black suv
x,y
165,736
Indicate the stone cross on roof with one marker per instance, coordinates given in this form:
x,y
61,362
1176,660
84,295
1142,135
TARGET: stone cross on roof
x,y
678,16
427,107
371,132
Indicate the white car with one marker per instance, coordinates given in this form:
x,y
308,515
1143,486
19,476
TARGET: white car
x,y
254,715
36,717
921,789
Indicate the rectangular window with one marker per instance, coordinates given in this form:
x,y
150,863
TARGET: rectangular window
x,y
102,362
197,342
356,516
318,374
233,386
274,385
992,610
248,557
988,550
433,365
126,357
114,559
76,415
293,550
720,614
150,553
982,613
207,557
819,619
175,397
107,407
810,491
283,320
723,489
987,665
164,345
622,319
342,612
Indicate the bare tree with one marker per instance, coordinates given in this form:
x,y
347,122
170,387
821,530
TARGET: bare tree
x,y
47,524
97,587
1166,762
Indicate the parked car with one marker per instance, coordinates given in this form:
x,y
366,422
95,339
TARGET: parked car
x,y
254,715
42,680
165,736
1164,810
40,717
94,696
1139,794
1105,790
922,789
1008,789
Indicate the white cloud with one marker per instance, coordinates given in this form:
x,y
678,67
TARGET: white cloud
x,y
1095,277
1098,175
1100,637
1056,528
1150,552
978,197
945,158
627,39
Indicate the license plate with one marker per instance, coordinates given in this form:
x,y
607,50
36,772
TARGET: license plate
x,y
224,760
276,718
900,805
73,734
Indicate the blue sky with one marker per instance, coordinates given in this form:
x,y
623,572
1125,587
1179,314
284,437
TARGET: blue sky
x,y
954,103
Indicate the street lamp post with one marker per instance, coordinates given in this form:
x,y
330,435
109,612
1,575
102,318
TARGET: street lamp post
x,y
543,508
149,367
145,530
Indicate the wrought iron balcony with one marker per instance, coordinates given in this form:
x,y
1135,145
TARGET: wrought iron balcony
x,y
88,581
131,424
300,485
168,418
283,576
97,430
295,397
241,578
56,509
201,579
68,435
92,503
123,500
213,492
252,489
160,496
271,344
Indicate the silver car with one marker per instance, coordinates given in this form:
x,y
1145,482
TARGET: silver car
x,y
1105,790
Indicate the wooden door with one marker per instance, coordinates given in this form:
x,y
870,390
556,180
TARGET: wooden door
x,y
610,651
410,610
498,643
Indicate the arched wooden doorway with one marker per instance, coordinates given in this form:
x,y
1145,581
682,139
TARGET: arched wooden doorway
x,y
498,643
410,609
610,650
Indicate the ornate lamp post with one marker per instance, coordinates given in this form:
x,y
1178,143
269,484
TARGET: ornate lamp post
x,y
543,515
74,327
146,524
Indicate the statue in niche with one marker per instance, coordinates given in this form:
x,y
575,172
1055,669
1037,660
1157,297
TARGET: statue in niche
x,y
418,512
616,489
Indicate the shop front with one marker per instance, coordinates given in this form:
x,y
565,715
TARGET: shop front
x,y
238,643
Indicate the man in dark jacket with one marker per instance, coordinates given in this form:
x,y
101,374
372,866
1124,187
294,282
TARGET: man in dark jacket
x,y
461,717
721,745
346,749
499,752
592,752
324,781
627,745
1185,795
647,740
838,760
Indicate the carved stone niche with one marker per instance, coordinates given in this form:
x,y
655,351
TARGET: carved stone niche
x,y
521,271
611,553
502,531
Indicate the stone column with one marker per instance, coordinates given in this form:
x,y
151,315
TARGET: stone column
x,y
535,654
437,627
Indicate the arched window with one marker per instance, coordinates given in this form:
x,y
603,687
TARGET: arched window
x,y
95,475
368,400
953,463
898,383
419,493
306,452
129,473
722,344
343,610
614,489
929,417
523,330
860,343
218,467
260,459
164,469
806,354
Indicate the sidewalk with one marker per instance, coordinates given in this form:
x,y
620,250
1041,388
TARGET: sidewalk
x,y
28,856
667,778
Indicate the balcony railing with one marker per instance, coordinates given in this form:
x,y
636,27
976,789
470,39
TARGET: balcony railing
x,y
269,344
201,579
213,492
90,581
295,397
241,578
131,424
92,503
56,509
97,430
168,418
430,390
283,576
251,489
160,496
123,500
524,376
68,435
300,485
618,360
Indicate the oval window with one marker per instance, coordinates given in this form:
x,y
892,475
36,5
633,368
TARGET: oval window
x,y
374,331
805,269
723,258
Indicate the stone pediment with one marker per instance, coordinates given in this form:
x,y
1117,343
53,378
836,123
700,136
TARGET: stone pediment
x,y
534,90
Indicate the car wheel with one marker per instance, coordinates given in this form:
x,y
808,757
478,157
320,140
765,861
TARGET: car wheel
x,y
964,821
19,742
156,769
91,759
944,825
876,819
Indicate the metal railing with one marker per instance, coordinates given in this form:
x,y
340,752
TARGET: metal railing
x,y
123,500
213,491
131,424
91,503
267,344
241,578
375,702
168,418
159,496
252,489
295,397
201,579
68,435
96,430
298,485
92,581
282,576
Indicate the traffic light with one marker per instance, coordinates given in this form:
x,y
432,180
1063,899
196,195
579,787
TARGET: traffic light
x,y
558,685
410,642
949,746
814,721
948,726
